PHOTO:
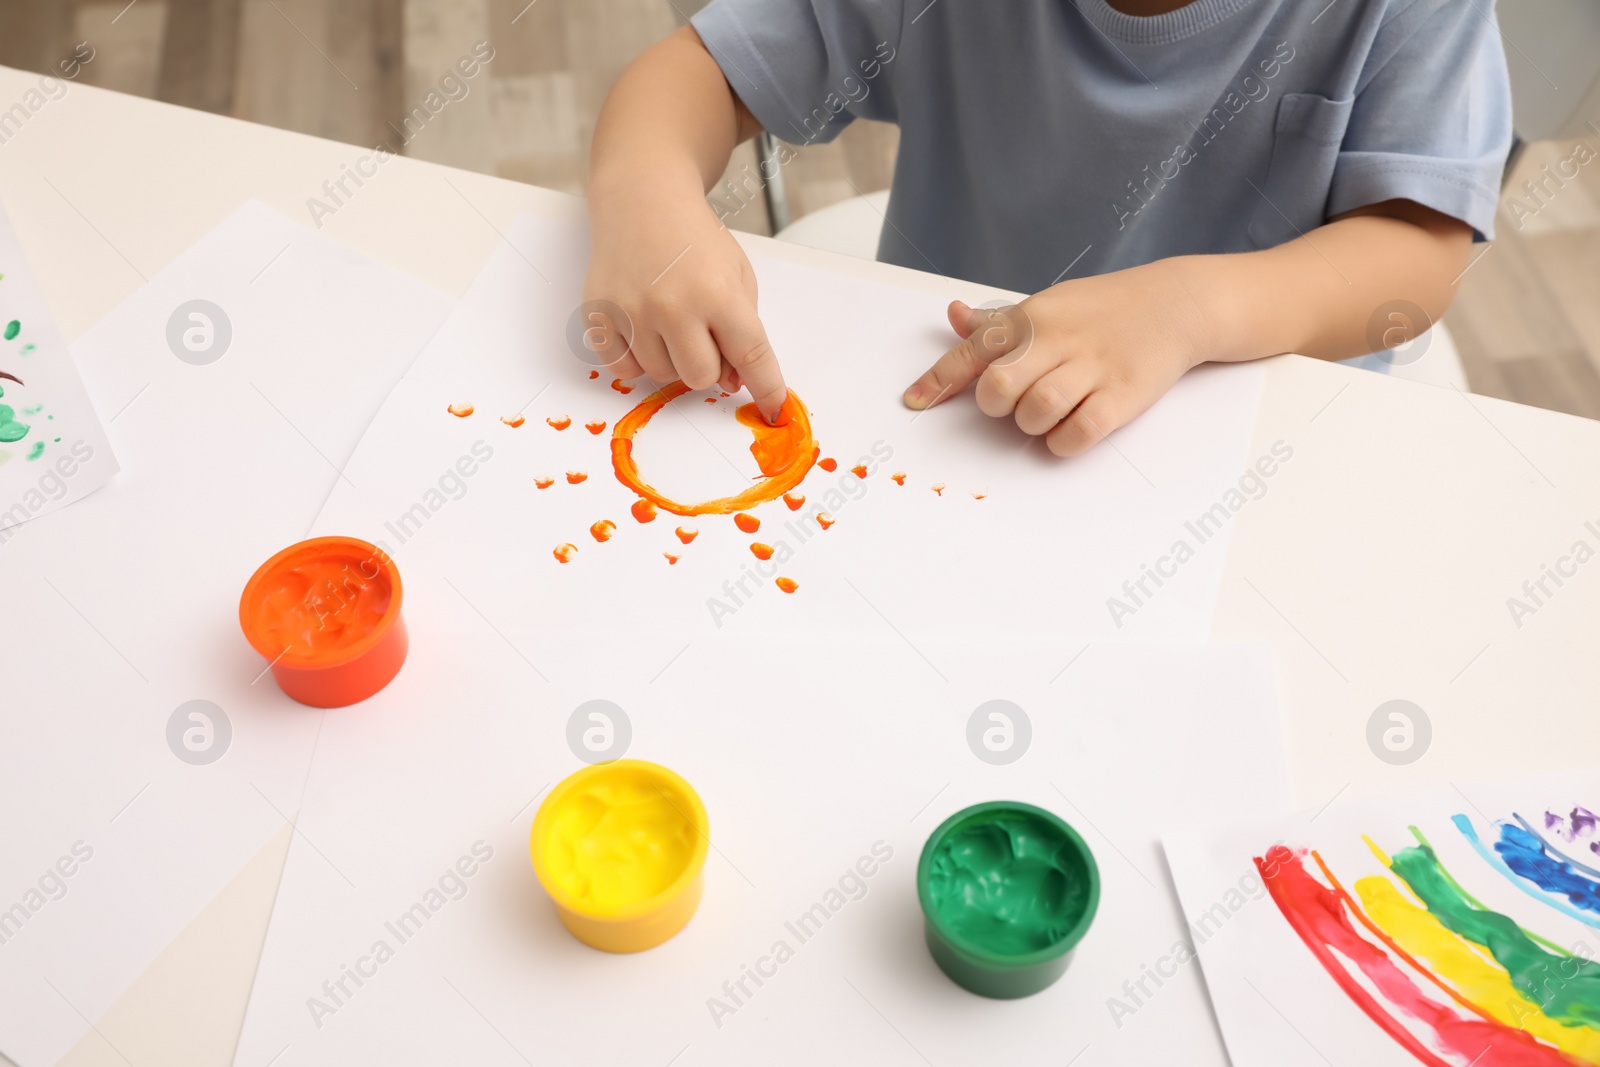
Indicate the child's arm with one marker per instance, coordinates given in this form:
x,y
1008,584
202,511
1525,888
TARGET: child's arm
x,y
659,252
1084,357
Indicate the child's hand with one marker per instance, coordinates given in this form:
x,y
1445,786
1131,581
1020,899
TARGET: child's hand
x,y
689,295
1079,359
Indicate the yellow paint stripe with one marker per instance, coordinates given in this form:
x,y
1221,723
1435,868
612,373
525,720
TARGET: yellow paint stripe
x,y
1460,965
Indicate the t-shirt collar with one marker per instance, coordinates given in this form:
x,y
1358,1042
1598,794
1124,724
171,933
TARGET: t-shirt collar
x,y
1193,18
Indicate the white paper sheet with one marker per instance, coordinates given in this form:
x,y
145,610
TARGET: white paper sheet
x,y
125,607
807,754
1278,1005
1044,552
53,449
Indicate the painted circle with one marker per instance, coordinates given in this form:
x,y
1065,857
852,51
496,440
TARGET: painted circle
x,y
784,450
199,732
199,332
1399,732
599,731
999,732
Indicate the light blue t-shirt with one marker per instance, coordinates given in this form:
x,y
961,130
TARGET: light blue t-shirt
x,y
1050,139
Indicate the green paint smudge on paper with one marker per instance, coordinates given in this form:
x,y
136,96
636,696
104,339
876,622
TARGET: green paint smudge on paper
x,y
13,328
36,451
27,349
10,429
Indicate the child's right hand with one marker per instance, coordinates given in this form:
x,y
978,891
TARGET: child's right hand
x,y
688,293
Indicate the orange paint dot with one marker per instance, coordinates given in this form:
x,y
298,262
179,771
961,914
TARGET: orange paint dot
x,y
671,559
513,421
596,427
574,477
794,500
829,464
788,585
616,384
979,496
711,399
593,375
761,551
602,530
859,471
559,424
460,411
938,487
544,483
899,477
564,553
747,523
725,395
687,533
824,520
784,450
644,511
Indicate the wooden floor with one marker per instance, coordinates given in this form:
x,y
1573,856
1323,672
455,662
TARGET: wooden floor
x,y
1527,319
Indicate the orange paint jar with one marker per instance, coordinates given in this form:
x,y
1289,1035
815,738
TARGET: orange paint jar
x,y
325,614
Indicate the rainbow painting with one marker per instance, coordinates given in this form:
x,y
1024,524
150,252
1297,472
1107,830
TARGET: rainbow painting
x,y
1462,938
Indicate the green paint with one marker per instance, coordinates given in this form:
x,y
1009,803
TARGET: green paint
x,y
27,349
10,429
13,328
33,410
36,451
1567,988
1559,950
58,440
1009,883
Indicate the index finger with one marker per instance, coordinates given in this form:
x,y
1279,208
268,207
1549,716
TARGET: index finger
x,y
989,335
743,342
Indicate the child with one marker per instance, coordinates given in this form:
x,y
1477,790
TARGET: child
x,y
1174,182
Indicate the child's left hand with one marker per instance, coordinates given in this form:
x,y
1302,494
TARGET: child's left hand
x,y
1078,360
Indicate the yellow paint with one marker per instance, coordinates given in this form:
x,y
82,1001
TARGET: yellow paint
x,y
619,847
1470,971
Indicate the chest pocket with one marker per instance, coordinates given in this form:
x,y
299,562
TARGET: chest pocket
x,y
1305,147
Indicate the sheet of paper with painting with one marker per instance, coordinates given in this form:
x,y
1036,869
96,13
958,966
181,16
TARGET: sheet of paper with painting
x,y
53,449
130,813
1454,927
498,462
409,893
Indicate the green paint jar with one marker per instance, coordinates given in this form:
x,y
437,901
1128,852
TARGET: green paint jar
x,y
1007,891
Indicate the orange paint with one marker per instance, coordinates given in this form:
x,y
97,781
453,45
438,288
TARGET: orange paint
x,y
564,553
938,487
325,613
643,510
513,421
574,477
979,496
544,483
687,533
824,520
794,500
460,411
711,399
859,471
671,559
747,523
559,424
593,375
596,427
783,450
602,530
899,477
761,551
616,383
788,585
830,464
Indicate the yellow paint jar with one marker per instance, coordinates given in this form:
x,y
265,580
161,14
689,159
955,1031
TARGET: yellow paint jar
x,y
620,848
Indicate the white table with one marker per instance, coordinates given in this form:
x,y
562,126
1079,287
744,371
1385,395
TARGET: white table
x,y
1377,565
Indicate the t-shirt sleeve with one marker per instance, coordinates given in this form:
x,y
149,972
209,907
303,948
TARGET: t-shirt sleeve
x,y
1432,116
806,68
